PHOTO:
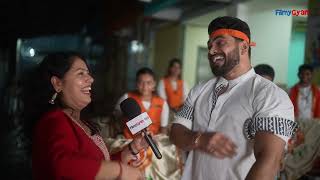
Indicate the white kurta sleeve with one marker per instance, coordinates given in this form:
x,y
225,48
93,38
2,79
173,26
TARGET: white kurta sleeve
x,y
161,90
273,113
165,115
185,114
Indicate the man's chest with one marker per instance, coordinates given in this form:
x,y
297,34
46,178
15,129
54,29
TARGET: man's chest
x,y
227,112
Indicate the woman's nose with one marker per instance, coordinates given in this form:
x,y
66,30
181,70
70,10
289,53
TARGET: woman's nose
x,y
144,85
90,79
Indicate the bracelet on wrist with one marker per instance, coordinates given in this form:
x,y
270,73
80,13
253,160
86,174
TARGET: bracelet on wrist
x,y
132,151
196,141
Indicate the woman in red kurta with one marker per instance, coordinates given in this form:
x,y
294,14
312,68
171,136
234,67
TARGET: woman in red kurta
x,y
61,149
64,146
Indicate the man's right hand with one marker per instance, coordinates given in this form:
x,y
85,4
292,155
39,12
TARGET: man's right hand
x,y
217,144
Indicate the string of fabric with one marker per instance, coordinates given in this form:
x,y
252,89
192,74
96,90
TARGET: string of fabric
x,y
217,91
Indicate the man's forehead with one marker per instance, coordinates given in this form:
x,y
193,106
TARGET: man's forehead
x,y
224,36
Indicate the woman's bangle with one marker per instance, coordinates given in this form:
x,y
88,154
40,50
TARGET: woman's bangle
x,y
120,173
131,150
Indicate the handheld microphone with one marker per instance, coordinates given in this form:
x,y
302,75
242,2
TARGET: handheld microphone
x,y
138,122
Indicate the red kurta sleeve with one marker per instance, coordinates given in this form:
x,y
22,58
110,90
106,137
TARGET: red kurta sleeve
x,y
58,153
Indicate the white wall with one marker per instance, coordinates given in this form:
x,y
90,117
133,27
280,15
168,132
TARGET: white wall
x,y
272,34
195,37
167,45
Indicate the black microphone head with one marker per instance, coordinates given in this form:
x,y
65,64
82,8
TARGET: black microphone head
x,y
130,108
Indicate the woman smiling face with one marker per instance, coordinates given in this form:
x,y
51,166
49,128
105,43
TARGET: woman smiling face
x,y
75,86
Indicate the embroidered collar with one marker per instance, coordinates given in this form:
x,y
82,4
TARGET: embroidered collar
x,y
231,83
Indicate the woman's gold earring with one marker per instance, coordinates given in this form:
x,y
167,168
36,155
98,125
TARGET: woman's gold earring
x,y
51,101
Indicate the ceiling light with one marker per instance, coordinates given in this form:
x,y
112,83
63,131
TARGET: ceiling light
x,y
147,1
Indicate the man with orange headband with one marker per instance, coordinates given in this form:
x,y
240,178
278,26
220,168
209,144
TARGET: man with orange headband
x,y
237,124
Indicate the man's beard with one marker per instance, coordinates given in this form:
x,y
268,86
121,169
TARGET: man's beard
x,y
230,61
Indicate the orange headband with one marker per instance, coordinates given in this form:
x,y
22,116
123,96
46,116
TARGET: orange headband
x,y
232,32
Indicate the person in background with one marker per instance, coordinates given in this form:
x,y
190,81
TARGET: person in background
x,y
237,124
156,107
305,95
265,71
64,145
172,88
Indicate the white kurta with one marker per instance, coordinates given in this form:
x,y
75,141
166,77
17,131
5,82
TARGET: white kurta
x,y
305,103
250,104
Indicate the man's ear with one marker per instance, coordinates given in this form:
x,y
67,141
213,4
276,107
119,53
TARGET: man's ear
x,y
244,47
56,83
